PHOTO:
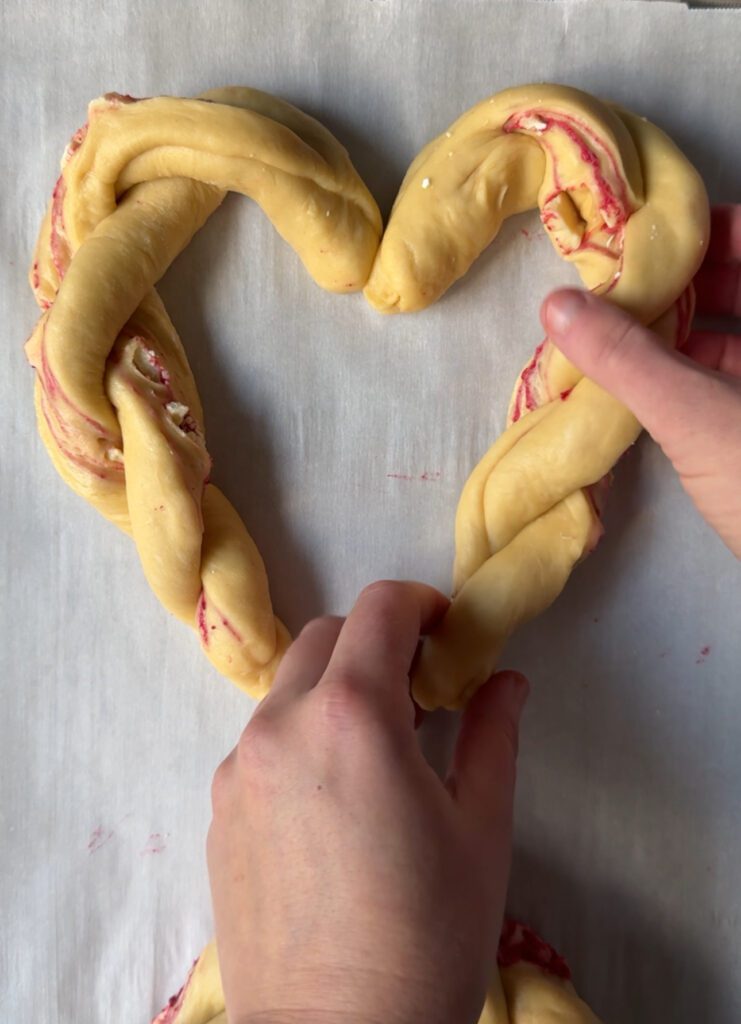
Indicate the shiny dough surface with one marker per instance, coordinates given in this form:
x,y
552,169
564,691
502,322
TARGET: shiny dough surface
x,y
620,201
119,411
120,415
117,405
532,985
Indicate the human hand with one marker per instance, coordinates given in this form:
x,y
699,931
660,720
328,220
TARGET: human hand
x,y
689,401
348,881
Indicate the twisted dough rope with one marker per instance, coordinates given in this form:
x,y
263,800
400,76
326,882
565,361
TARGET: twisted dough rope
x,y
620,202
117,406
616,197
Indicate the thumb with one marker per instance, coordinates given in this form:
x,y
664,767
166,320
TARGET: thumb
x,y
663,389
482,775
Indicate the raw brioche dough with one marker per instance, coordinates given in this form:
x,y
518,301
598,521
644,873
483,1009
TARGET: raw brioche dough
x,y
117,405
532,985
119,412
620,202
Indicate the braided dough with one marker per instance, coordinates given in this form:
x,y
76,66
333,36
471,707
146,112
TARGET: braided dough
x,y
114,391
620,202
117,406
119,413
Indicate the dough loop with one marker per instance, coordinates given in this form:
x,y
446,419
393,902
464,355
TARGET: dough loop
x,y
117,405
118,408
119,413
624,205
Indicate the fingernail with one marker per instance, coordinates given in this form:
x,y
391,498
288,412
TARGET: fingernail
x,y
561,309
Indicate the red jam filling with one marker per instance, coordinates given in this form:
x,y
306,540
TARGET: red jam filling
x,y
520,944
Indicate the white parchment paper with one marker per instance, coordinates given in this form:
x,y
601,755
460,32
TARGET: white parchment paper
x,y
344,438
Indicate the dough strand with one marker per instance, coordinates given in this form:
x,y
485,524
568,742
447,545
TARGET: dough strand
x,y
118,408
119,413
622,203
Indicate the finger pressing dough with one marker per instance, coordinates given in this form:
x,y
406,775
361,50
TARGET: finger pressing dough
x,y
117,406
619,201
531,985
119,413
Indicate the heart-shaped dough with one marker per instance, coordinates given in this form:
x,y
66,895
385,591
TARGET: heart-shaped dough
x,y
114,391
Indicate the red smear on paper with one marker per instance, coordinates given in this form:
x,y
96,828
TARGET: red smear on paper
x,y
429,476
155,844
704,651
98,837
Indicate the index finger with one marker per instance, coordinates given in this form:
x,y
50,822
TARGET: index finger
x,y
378,641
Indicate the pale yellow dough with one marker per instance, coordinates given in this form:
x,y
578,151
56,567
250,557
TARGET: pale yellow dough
x,y
619,201
117,405
119,412
519,994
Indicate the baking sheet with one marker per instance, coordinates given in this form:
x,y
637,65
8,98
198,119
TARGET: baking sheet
x,y
344,439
